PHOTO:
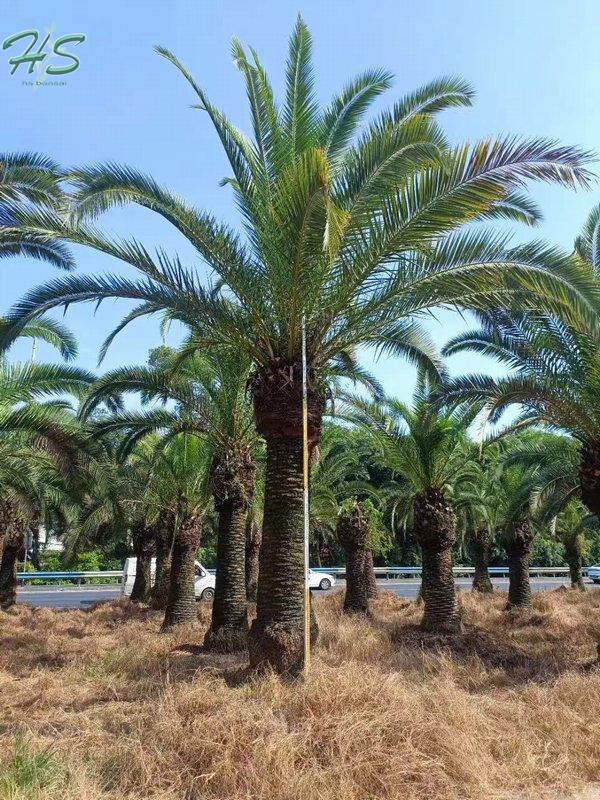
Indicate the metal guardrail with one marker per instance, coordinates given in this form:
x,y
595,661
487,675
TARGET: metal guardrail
x,y
403,572
380,572
68,576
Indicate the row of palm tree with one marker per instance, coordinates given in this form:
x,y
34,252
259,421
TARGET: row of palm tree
x,y
350,232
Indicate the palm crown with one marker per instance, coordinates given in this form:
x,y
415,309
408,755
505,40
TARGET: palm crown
x,y
556,363
426,445
347,229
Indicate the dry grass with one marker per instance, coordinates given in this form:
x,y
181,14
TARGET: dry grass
x,y
99,705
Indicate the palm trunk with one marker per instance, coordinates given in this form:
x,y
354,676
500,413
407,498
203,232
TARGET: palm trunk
x,y
352,532
435,531
181,600
8,570
232,477
589,476
575,562
370,579
143,547
356,599
276,635
517,547
229,624
253,539
162,572
480,547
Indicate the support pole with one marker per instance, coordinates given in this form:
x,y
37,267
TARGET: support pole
x,y
306,502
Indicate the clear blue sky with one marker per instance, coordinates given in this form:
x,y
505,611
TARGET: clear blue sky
x,y
533,63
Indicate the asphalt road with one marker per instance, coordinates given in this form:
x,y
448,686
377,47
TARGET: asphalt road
x,y
84,597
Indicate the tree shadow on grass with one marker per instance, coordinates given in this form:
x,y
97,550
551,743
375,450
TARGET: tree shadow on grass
x,y
495,654
186,660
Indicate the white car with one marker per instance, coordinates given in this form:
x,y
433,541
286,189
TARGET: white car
x,y
593,573
320,580
204,586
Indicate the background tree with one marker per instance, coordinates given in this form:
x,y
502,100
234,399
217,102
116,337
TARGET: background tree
x,y
556,380
40,437
429,448
209,396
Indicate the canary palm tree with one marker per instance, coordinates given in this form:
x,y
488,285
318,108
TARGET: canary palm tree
x,y
428,447
355,523
352,229
26,475
556,378
39,435
511,509
337,473
184,464
556,489
209,392
476,505
570,528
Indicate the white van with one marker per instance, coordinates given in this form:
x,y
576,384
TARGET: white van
x,y
204,586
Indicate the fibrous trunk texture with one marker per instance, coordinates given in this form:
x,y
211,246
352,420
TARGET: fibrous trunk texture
x,y
162,573
481,542
143,547
370,578
517,546
276,635
434,526
253,540
589,476
232,478
352,532
12,527
181,600
575,561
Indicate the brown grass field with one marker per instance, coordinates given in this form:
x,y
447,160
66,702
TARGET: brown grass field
x,y
99,705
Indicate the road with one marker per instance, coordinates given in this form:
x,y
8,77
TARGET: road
x,y
84,597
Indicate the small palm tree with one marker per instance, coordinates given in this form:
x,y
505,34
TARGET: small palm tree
x,y
39,437
337,473
351,232
518,479
210,396
356,527
29,481
429,448
476,504
184,464
571,526
552,461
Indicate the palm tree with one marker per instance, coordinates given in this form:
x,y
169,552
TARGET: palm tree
x,y
353,232
556,374
209,391
570,528
553,462
39,437
429,448
515,486
476,505
28,479
337,473
354,531
185,466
